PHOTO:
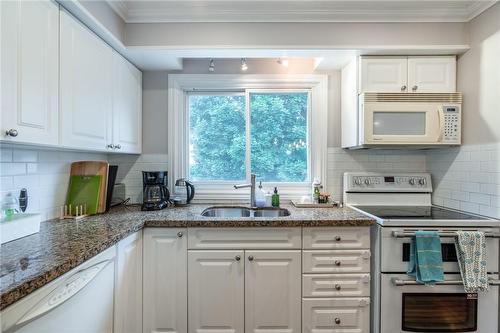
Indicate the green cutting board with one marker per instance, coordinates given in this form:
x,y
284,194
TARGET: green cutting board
x,y
84,190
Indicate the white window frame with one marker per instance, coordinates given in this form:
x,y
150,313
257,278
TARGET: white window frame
x,y
178,132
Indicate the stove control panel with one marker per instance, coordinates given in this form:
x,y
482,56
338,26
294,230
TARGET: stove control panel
x,y
374,182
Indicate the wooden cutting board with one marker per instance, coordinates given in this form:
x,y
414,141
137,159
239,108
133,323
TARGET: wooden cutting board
x,y
94,168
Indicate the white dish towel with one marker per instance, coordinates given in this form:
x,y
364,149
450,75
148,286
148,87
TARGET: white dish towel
x,y
471,254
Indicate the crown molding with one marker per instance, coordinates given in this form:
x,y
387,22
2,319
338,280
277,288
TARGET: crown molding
x,y
120,8
298,11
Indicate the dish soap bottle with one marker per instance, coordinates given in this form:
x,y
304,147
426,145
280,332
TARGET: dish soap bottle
x,y
316,190
260,197
276,198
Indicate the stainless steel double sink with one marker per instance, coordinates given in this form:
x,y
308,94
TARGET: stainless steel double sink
x,y
233,211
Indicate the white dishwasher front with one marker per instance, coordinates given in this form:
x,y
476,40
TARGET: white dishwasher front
x,y
80,301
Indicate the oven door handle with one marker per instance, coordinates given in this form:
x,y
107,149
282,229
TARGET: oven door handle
x,y
401,282
443,234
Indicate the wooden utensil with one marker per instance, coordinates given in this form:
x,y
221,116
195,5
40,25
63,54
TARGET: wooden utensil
x,y
94,168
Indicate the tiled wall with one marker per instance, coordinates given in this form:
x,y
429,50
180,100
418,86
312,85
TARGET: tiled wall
x,y
130,169
467,178
44,173
376,160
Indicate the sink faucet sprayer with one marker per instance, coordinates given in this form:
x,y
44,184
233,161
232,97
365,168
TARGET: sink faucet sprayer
x,y
252,189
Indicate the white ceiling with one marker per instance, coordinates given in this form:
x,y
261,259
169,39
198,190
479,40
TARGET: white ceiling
x,y
146,11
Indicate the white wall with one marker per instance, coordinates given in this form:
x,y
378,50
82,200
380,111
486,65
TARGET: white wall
x,y
468,177
44,173
293,35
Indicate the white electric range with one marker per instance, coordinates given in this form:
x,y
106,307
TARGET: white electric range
x,y
401,205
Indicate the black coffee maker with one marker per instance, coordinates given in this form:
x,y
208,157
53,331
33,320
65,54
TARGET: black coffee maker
x,y
155,194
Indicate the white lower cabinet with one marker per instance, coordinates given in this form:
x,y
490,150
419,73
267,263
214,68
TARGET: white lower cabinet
x,y
128,286
165,280
272,292
216,291
336,315
244,291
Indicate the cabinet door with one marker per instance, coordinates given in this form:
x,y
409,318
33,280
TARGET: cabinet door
x,y
85,87
432,74
165,280
272,292
128,292
215,288
29,71
387,74
127,106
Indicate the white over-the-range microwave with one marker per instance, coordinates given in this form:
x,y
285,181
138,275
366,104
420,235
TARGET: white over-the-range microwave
x,y
421,120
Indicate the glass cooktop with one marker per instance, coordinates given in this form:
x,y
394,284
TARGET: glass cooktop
x,y
417,213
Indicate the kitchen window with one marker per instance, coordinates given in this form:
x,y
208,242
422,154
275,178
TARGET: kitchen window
x,y
223,130
263,132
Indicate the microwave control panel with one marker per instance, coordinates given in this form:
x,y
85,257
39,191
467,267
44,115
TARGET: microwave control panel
x,y
451,124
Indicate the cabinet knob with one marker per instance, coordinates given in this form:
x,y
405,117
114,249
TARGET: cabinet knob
x,y
338,287
180,234
414,88
337,263
403,88
110,146
237,258
12,132
250,258
337,321
338,238
118,146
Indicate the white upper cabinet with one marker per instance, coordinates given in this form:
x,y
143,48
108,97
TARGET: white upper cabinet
x,y
29,71
272,291
128,286
407,74
85,87
127,106
388,74
432,74
165,281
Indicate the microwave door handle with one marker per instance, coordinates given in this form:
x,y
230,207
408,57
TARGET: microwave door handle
x,y
441,124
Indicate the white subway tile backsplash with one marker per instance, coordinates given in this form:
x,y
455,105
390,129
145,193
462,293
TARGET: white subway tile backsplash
x,y
474,183
6,155
44,173
12,169
20,155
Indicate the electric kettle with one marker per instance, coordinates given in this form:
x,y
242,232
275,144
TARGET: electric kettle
x,y
184,191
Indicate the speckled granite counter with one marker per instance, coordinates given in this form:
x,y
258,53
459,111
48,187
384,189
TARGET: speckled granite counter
x,y
31,262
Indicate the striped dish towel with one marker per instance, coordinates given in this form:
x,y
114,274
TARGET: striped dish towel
x,y
471,254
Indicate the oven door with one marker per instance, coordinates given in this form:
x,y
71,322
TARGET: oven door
x,y
438,308
402,122
395,252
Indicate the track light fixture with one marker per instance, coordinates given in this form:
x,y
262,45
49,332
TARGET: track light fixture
x,y
211,66
244,65
283,62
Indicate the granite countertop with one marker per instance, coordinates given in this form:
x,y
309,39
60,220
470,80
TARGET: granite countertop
x,y
61,245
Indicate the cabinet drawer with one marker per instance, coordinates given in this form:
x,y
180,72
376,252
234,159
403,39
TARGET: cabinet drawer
x,y
244,238
336,285
336,238
335,315
336,261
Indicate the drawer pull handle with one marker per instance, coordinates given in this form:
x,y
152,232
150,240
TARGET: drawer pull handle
x,y
250,258
180,234
338,238
337,321
338,287
337,262
237,258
